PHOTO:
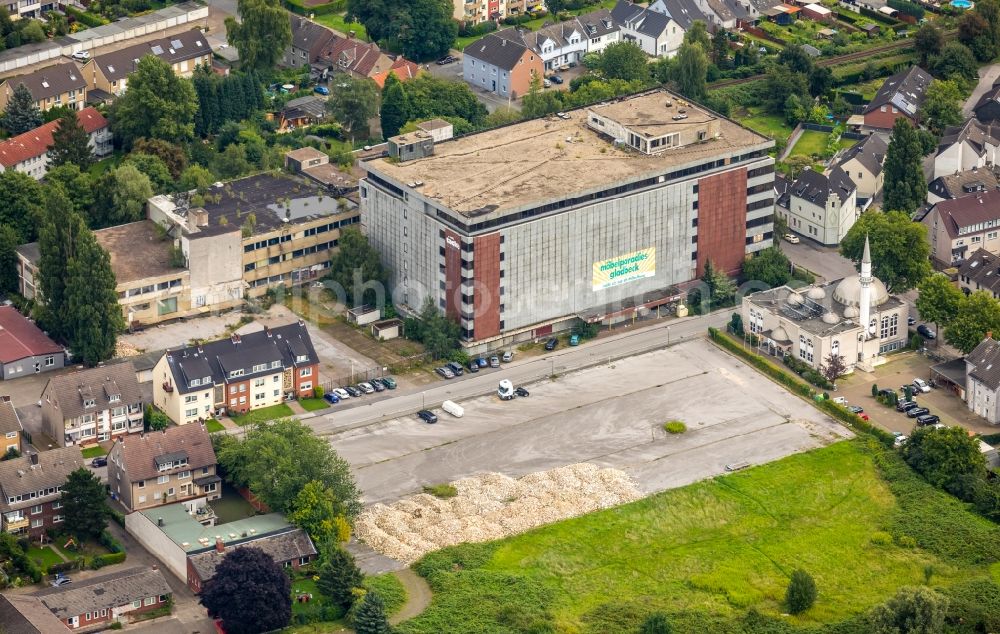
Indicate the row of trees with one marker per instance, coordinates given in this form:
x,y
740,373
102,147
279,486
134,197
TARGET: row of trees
x,y
222,99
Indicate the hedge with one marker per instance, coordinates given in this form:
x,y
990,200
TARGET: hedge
x,y
62,566
907,7
110,542
296,6
86,18
802,389
101,561
119,518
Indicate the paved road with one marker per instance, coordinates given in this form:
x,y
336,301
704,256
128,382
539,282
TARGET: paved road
x,y
987,75
358,413
825,262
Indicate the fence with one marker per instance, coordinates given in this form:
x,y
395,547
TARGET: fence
x,y
819,127
764,35
366,374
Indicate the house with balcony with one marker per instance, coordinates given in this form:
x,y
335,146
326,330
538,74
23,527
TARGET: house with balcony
x,y
61,84
10,427
657,34
107,74
94,405
176,465
28,153
31,490
244,372
960,226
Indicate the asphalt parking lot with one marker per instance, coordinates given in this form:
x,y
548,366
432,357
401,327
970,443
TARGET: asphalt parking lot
x,y
610,415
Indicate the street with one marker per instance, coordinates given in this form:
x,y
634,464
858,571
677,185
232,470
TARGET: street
x,y
987,75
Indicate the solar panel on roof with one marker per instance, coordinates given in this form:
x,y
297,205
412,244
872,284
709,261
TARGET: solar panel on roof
x,y
158,50
177,44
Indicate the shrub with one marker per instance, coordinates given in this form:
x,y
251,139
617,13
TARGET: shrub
x,y
443,491
801,593
905,541
62,566
101,561
110,542
881,538
675,427
318,392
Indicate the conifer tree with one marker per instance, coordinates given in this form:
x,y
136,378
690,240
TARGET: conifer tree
x,y
370,617
70,143
395,106
22,114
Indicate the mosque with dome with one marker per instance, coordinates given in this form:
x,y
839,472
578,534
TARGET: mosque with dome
x,y
812,322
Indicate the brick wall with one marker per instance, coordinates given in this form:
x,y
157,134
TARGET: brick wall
x,y
722,212
487,300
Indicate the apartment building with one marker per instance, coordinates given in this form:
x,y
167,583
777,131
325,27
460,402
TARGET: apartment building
x,y
822,207
862,163
286,228
93,405
501,64
901,95
959,226
965,147
31,490
28,153
108,73
980,272
10,427
238,374
176,465
61,84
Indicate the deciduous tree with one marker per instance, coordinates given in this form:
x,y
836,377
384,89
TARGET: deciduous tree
x,y
943,455
20,203
899,248
353,103
59,236
928,42
313,511
769,266
697,33
21,114
358,269
9,241
261,35
158,104
905,189
171,154
120,196
425,28
977,314
70,143
77,184
339,576
955,60
938,300
395,111
942,106
249,592
915,610
690,71
625,61
656,623
833,367
85,505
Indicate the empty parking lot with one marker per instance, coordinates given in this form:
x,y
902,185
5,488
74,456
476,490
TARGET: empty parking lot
x,y
610,415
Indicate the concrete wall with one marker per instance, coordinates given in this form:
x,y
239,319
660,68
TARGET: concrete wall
x,y
982,400
155,541
215,264
26,366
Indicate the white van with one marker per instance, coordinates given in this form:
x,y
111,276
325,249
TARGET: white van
x,y
506,390
453,408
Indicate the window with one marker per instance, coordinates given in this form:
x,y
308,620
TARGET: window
x,y
190,398
306,372
35,510
889,327
142,499
137,604
183,475
232,389
258,383
236,372
163,479
57,505
57,518
49,361
191,412
306,386
141,484
37,523
210,488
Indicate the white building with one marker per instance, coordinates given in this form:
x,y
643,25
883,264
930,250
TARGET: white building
x,y
28,153
982,380
820,206
863,165
657,34
970,145
815,322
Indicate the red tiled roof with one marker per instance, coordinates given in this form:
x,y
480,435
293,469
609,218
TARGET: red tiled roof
x,y
19,338
38,141
968,211
403,68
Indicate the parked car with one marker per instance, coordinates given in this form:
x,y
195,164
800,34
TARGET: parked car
x,y
389,382
483,363
331,398
456,368
551,344
737,466
494,361
427,416
928,419
855,409
445,372
321,90
353,391
81,56
863,417
375,383
507,356
522,392
921,385
546,83
791,238
910,321
917,411
60,580
840,400
366,388
925,332
473,366
574,340
905,406
556,79
444,61
99,461
900,441
342,393
886,392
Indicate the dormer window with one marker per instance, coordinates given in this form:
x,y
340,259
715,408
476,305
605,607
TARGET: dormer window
x,y
115,398
260,367
234,373
302,358
195,382
89,402
276,364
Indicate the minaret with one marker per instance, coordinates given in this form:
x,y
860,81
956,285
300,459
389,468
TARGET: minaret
x,y
865,278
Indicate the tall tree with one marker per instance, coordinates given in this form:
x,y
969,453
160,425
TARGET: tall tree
x,y
942,106
796,60
769,266
977,315
358,269
261,35
899,248
954,61
720,47
58,240
153,167
171,154
22,114
353,104
158,104
928,42
70,143
21,198
801,592
690,71
120,196
94,315
425,28
77,184
720,287
395,111
313,511
9,241
976,32
944,455
85,504
339,576
249,592
938,300
905,188
376,16
370,617
916,610
538,102
625,61
698,34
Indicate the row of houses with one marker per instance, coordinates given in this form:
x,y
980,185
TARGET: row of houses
x,y
28,153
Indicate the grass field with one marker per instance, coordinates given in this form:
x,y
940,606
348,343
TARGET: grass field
x,y
813,143
388,586
212,426
313,404
707,553
94,452
336,22
281,410
771,126
44,557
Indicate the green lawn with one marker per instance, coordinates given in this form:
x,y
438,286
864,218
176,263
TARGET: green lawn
x,y
94,452
213,426
771,126
390,589
45,557
708,552
281,410
336,22
813,143
100,167
313,404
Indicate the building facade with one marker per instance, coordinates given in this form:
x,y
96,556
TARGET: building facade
x,y
821,207
501,64
656,33
863,165
183,52
94,405
568,217
244,372
901,95
28,153
31,490
176,465
61,84
90,605
10,427
24,348
982,380
308,40
959,226
971,145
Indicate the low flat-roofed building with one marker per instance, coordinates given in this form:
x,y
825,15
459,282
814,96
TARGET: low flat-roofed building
x,y
285,227
24,348
517,231
25,614
95,603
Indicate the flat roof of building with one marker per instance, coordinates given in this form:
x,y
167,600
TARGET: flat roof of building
x,y
138,251
549,159
192,537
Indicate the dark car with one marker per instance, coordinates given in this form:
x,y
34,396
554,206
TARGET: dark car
x,y
427,416
556,79
353,391
483,363
331,398
378,385
551,344
855,409
925,332
910,321
473,366
100,461
444,61
456,368
917,411
905,406
928,419
886,392
522,392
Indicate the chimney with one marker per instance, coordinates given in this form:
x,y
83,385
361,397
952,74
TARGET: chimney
x,y
159,522
220,547
34,459
4,399
989,334
267,331
235,338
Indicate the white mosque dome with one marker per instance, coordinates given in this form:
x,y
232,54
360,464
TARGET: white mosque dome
x,y
830,318
795,299
851,312
779,334
848,292
816,293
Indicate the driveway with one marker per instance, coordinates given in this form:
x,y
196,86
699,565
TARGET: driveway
x,y
826,262
987,75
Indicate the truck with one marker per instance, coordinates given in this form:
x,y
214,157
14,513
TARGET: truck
x,y
506,390
453,408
